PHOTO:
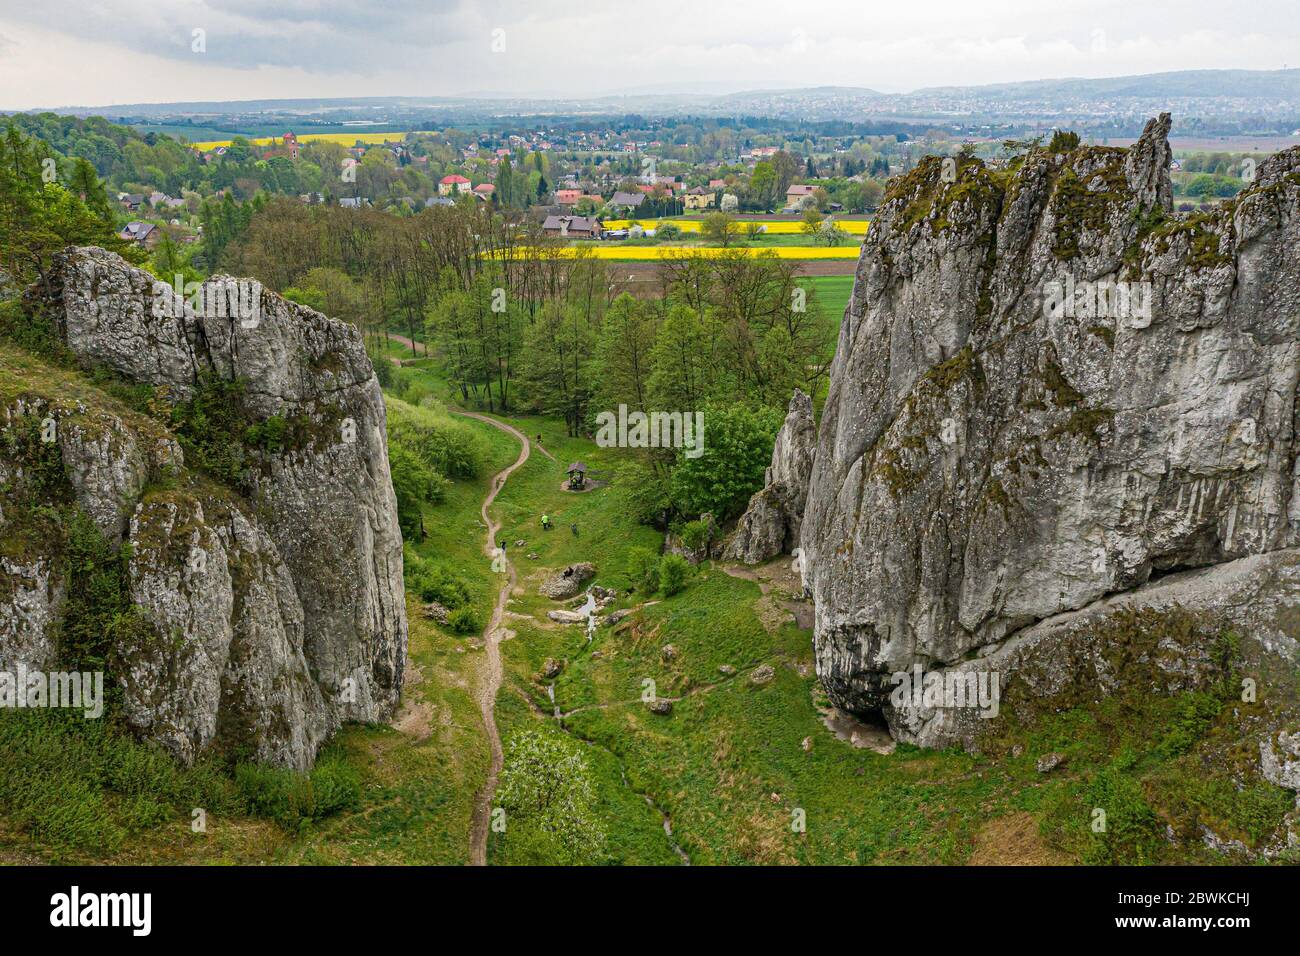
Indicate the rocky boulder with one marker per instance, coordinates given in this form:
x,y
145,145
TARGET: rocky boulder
x,y
568,582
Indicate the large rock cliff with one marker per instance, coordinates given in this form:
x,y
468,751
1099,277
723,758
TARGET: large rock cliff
x,y
1056,409
270,608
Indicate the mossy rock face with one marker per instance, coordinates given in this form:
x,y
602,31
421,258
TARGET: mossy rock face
x,y
244,461
992,457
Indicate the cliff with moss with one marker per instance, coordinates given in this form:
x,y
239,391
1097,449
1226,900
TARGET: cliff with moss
x,y
1060,445
198,501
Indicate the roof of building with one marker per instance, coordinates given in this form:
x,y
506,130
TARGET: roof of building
x,y
136,230
453,178
572,223
628,199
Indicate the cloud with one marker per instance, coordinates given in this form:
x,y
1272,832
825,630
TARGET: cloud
x,y
103,51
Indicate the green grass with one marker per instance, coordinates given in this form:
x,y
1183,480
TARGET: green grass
x,y
728,766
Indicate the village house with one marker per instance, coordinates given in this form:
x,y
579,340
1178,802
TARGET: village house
x,y
453,184
699,198
130,201
142,233
572,227
484,190
799,196
163,201
628,200
568,197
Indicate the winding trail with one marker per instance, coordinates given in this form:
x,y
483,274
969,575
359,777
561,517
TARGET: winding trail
x,y
487,691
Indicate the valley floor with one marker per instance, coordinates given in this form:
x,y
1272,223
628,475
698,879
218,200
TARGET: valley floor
x,y
745,769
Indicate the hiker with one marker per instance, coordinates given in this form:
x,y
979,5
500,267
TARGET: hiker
x,y
575,529
546,522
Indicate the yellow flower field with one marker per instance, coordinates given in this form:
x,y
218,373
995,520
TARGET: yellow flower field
x,y
615,251
854,227
345,139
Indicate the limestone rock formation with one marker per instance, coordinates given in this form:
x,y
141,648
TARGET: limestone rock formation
x,y
568,582
772,521
1050,390
272,610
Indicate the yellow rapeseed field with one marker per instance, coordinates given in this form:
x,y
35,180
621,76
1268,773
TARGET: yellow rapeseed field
x,y
854,227
345,139
616,251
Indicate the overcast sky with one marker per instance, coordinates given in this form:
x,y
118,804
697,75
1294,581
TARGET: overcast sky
x,y
100,52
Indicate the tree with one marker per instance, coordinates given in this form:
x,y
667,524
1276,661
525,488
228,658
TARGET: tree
x,y
812,221
558,379
737,450
623,351
546,791
39,219
719,228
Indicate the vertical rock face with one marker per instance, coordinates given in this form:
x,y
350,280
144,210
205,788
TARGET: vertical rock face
x,y
1048,389
772,521
275,611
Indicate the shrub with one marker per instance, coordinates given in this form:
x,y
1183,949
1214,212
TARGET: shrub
x,y
295,799
674,570
464,621
695,534
546,786
643,568
446,446
433,582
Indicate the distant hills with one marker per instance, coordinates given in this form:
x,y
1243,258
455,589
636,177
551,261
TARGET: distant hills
x,y
1243,100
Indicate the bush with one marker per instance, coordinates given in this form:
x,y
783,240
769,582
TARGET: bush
x,y
674,571
76,785
695,534
464,621
446,446
668,232
643,569
434,582
295,799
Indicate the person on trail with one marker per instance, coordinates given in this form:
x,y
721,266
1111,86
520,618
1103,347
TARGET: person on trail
x,y
575,529
546,522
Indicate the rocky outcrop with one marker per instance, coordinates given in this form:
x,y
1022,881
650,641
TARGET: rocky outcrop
x,y
568,582
772,522
272,609
1049,390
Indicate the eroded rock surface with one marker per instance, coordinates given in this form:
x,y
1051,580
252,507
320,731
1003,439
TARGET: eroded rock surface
x,y
989,459
272,611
